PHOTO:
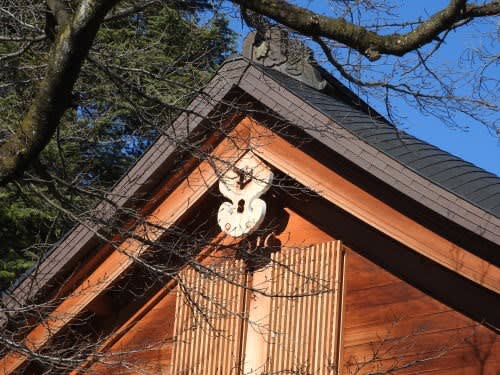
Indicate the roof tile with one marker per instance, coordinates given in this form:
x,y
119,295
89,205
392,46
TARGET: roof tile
x,y
459,177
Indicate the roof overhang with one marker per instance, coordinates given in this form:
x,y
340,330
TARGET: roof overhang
x,y
241,76
251,136
254,81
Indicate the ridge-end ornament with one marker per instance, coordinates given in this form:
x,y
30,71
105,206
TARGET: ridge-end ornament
x,y
243,185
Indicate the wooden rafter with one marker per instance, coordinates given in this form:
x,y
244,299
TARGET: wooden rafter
x,y
166,215
371,210
279,153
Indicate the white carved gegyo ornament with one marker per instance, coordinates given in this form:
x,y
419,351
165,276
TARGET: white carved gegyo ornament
x,y
243,185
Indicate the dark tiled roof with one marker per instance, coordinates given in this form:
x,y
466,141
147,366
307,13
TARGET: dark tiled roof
x,y
451,173
459,177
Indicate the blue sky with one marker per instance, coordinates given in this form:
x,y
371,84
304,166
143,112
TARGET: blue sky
x,y
470,141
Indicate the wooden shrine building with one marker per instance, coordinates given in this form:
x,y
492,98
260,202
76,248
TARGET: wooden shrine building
x,y
282,226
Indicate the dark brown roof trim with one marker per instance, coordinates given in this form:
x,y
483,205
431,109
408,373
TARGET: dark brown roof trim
x,y
254,81
297,111
157,159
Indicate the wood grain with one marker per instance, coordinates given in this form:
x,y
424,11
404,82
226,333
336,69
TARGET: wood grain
x,y
371,210
394,325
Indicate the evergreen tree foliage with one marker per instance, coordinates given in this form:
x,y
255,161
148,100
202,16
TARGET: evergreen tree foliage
x,y
142,69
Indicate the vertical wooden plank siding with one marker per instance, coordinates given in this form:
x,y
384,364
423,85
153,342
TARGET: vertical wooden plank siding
x,y
305,310
304,316
208,324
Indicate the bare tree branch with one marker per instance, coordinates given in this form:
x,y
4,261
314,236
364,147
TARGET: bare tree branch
x,y
366,42
488,9
54,93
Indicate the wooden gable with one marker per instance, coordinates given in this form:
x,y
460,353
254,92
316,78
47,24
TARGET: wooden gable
x,y
404,296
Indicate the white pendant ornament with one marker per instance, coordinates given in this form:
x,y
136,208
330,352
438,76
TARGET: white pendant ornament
x,y
243,185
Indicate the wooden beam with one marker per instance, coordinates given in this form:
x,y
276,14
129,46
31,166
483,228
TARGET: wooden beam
x,y
248,134
369,209
297,234
220,240
148,206
168,212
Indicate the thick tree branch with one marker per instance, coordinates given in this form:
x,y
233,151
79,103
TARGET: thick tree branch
x,y
76,37
485,10
54,93
368,43
60,12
